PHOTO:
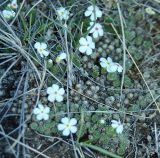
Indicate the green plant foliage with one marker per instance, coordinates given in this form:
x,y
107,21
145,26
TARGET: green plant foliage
x,y
76,60
112,76
127,82
95,71
130,35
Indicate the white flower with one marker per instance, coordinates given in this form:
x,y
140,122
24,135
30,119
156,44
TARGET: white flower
x,y
117,125
13,4
109,65
97,30
60,57
94,12
62,13
8,14
50,61
86,45
41,112
41,49
55,93
150,11
68,126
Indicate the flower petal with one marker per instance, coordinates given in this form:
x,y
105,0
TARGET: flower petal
x,y
46,110
55,87
73,121
61,91
73,129
39,117
66,132
82,49
36,111
119,129
51,98
61,127
59,98
82,41
50,90
88,13
89,51
45,53
95,34
103,64
45,116
40,106
43,45
65,120
37,45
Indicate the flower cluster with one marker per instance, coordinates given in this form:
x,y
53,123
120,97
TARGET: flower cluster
x,y
95,29
110,66
87,45
9,12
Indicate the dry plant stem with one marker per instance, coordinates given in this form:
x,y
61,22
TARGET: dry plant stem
x,y
156,139
11,148
158,108
26,146
47,148
41,82
69,84
124,50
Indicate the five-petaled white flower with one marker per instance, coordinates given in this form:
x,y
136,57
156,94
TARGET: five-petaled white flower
x,y
13,4
109,65
62,13
118,126
67,126
41,49
150,11
61,57
96,29
8,14
55,93
41,112
86,45
94,12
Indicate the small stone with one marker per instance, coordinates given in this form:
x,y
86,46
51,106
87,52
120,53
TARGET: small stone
x,y
93,88
130,95
107,41
89,93
100,50
76,98
78,86
89,65
111,47
126,101
104,46
85,58
88,83
118,50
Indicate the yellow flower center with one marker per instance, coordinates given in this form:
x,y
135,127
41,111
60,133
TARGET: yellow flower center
x,y
67,126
